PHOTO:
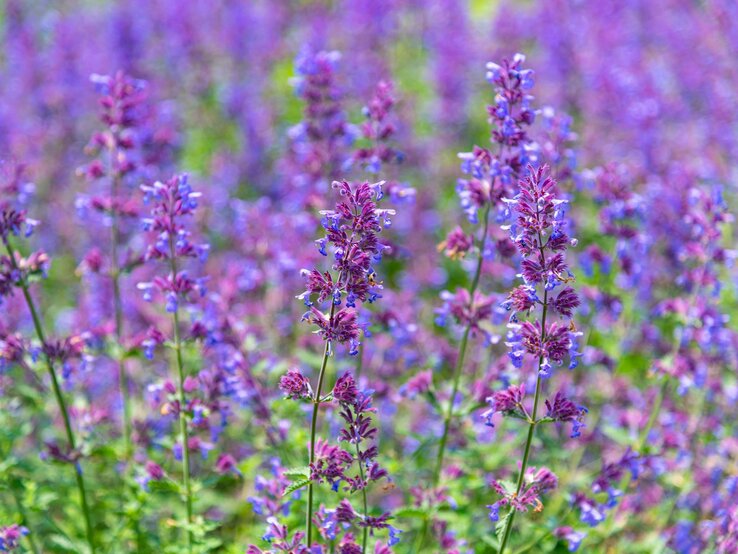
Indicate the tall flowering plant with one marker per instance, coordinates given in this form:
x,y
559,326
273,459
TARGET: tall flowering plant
x,y
172,203
349,466
492,174
115,150
318,144
20,272
377,151
352,233
539,231
691,368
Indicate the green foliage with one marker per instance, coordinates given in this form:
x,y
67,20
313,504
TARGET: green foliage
x,y
295,485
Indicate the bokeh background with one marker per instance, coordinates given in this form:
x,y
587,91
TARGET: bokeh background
x,y
638,102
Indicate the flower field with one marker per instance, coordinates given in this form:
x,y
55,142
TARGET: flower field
x,y
368,276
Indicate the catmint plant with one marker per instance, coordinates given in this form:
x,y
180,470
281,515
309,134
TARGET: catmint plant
x,y
172,203
162,426
700,344
115,148
319,145
377,153
352,230
356,409
539,232
492,174
20,272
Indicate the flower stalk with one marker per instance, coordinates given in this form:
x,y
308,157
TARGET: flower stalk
x,y
461,356
532,421
61,403
183,432
539,227
316,400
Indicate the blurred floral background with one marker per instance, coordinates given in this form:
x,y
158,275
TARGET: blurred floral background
x,y
176,377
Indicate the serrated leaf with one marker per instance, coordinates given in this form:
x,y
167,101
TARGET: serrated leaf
x,y
295,486
165,485
297,472
502,525
63,543
510,487
210,544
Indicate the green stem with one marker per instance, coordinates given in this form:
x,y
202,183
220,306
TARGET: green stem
x,y
449,409
123,380
523,467
316,408
461,355
363,494
59,397
528,441
184,435
183,429
314,427
532,422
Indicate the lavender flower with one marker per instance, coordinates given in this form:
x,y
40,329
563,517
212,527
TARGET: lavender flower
x,y
536,483
457,244
508,402
573,538
319,144
117,147
470,314
377,130
352,230
492,172
563,409
10,537
539,233
356,410
345,391
171,203
295,385
120,102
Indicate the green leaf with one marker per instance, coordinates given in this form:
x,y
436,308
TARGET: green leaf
x,y
63,543
297,472
295,486
165,485
510,487
502,525
210,544
618,435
